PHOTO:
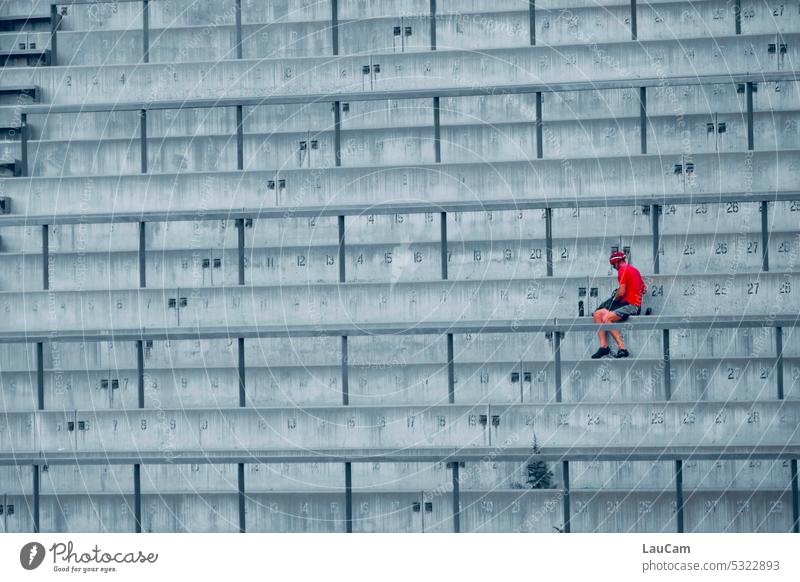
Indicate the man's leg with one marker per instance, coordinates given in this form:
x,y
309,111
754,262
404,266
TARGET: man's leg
x,y
611,317
604,350
599,317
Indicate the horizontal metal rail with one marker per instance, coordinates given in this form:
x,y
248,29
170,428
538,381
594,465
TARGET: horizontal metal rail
x,y
414,93
641,323
396,208
429,455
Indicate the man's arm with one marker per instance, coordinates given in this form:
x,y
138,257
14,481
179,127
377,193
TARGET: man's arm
x,y
620,291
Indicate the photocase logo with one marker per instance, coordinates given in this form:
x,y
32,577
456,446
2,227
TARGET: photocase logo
x,y
31,555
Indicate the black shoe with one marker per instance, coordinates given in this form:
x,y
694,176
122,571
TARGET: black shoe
x,y
622,354
602,352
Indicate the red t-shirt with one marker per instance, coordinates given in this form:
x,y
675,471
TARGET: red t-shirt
x,y
629,276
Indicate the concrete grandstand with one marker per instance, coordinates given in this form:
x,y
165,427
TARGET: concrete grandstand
x,y
330,265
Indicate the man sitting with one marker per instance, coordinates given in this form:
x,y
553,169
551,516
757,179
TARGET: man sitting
x,y
626,301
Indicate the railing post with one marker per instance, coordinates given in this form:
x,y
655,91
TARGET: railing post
x,y
23,138
548,233
539,127
143,139
335,26
667,364
443,242
433,25
779,360
437,132
54,21
241,373
39,375
337,133
643,119
241,493
348,497
454,465
142,254
737,15
140,373
765,236
342,250
532,21
795,498
557,371
137,498
451,371
749,99
45,257
238,10
655,212
634,32
145,31
679,495
36,492
239,138
345,373
566,504
137,477
240,246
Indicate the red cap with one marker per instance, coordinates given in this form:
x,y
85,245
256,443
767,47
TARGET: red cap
x,y
616,256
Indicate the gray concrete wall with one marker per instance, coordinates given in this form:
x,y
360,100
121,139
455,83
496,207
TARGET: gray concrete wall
x,y
16,489
389,428
724,382
387,502
401,302
460,144
492,368
541,179
103,35
146,82
17,377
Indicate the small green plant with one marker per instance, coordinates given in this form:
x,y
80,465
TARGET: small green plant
x,y
539,474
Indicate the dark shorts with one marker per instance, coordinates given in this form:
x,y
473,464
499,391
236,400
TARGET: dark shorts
x,y
621,309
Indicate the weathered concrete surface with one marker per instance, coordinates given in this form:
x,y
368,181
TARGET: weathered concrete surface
x,y
400,262
739,511
86,513
391,428
512,511
494,368
17,377
463,143
719,102
144,82
195,512
297,512
723,382
450,301
86,498
440,183
607,496
16,489
402,512
97,35
623,511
